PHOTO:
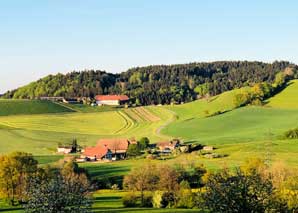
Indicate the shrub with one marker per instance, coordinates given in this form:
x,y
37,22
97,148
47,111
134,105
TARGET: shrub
x,y
143,143
147,200
163,199
227,192
133,150
168,200
129,200
186,198
242,99
257,102
291,134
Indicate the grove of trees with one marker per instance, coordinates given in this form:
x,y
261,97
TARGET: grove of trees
x,y
252,187
63,188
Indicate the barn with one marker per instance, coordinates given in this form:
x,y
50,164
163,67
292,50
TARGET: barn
x,y
111,99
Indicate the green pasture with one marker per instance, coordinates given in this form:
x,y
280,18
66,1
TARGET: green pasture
x,y
20,107
110,201
287,99
248,124
40,134
205,107
83,123
88,108
106,201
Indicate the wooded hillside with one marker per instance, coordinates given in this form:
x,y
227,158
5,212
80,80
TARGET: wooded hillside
x,y
159,84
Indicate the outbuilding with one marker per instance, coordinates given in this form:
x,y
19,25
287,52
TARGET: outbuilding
x,y
113,100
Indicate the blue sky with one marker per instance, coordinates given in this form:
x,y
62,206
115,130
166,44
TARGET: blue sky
x,y
42,37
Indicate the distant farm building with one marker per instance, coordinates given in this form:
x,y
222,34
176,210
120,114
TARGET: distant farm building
x,y
98,153
111,99
64,149
168,146
71,101
52,98
208,148
107,149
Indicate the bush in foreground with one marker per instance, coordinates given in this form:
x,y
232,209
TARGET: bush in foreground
x,y
241,192
129,200
291,134
63,190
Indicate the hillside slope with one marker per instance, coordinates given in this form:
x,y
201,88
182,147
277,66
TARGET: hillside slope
x,y
40,134
245,124
248,124
23,107
286,99
206,107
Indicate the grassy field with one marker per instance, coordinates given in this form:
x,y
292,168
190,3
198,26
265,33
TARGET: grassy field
x,y
40,134
20,107
287,99
107,201
249,124
88,108
110,201
205,107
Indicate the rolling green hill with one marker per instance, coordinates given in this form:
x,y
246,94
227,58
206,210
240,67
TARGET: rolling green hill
x,y
22,107
287,99
205,107
40,134
248,124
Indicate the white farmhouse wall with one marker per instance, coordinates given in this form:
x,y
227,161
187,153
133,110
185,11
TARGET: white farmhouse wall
x,y
108,102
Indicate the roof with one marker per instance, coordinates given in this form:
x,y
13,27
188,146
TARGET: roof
x,y
111,98
97,151
114,144
167,143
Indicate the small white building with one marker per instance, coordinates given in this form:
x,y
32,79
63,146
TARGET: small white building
x,y
208,148
64,150
111,99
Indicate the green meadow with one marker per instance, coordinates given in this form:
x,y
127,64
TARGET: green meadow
x,y
19,107
110,201
248,124
40,133
287,99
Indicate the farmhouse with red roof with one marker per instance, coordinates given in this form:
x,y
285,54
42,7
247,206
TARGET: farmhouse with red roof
x,y
111,99
107,149
98,153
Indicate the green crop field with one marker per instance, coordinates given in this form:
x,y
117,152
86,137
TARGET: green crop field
x,y
17,107
40,134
